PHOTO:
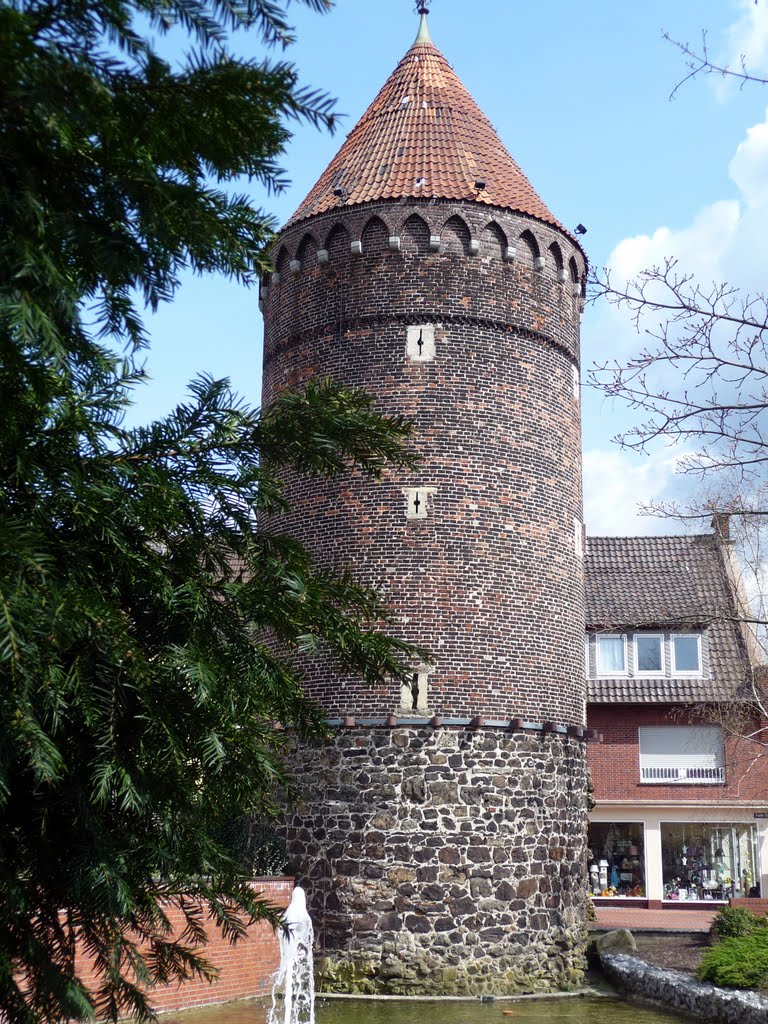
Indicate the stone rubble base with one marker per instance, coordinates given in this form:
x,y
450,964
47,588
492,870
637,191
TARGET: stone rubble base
x,y
678,991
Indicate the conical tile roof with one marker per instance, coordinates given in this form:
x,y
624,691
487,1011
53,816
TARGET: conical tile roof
x,y
423,137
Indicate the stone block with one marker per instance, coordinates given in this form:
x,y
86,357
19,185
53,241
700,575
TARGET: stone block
x,y
443,793
417,924
449,855
620,940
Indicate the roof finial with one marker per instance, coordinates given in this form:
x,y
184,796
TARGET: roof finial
x,y
423,33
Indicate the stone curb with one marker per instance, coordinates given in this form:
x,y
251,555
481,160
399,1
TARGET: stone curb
x,y
580,993
678,991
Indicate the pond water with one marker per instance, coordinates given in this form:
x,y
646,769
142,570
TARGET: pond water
x,y
570,1010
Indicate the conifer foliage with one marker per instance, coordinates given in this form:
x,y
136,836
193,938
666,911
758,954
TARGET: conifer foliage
x,y
137,695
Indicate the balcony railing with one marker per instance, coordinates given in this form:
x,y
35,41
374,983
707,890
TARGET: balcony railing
x,y
701,776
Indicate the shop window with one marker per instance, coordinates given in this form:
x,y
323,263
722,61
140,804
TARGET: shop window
x,y
681,754
709,861
616,859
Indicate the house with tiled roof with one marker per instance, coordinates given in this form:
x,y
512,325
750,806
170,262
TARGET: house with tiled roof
x,y
681,811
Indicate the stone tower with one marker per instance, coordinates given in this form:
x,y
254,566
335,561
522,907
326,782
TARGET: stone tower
x,y
441,837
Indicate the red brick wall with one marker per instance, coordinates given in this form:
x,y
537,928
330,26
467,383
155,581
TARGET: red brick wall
x,y
757,906
246,968
615,763
490,582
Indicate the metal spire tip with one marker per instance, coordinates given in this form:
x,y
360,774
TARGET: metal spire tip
x,y
423,35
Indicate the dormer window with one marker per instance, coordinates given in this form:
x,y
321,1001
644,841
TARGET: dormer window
x,y
644,655
611,655
649,654
686,655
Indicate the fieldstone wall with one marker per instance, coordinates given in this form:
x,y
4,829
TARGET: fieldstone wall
x,y
679,991
443,861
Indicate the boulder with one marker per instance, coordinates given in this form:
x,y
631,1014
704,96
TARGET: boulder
x,y
620,940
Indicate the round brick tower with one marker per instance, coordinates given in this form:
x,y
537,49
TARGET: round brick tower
x,y
441,834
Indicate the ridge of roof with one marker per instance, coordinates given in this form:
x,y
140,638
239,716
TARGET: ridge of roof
x,y
653,537
423,137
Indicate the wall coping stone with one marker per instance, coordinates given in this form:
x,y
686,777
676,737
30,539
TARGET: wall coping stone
x,y
441,722
680,991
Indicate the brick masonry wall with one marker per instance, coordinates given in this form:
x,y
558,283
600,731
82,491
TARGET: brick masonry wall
x,y
615,763
441,861
246,968
757,906
492,580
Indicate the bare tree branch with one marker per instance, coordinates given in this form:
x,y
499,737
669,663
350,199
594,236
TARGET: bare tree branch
x,y
699,62
701,377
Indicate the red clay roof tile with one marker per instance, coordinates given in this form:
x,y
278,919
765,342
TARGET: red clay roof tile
x,y
424,136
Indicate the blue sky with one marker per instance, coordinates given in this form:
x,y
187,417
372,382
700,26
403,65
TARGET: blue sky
x,y
579,93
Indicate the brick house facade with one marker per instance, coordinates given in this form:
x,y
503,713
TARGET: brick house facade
x,y
681,801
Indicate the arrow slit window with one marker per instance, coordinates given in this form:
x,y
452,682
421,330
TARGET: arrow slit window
x,y
420,343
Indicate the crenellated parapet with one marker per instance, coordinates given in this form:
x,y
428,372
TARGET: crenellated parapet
x,y
429,228
466,265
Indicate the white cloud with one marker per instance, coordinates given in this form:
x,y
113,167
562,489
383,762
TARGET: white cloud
x,y
748,38
699,247
724,242
749,167
616,483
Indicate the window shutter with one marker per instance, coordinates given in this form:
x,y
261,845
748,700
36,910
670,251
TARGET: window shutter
x,y
681,754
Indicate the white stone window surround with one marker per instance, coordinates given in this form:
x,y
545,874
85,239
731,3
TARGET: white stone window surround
x,y
421,343
578,538
685,671
414,693
418,501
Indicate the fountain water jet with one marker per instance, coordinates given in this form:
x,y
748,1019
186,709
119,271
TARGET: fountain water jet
x,y
295,976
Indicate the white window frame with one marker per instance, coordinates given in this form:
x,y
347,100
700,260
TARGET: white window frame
x,y
612,674
687,673
676,764
644,673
